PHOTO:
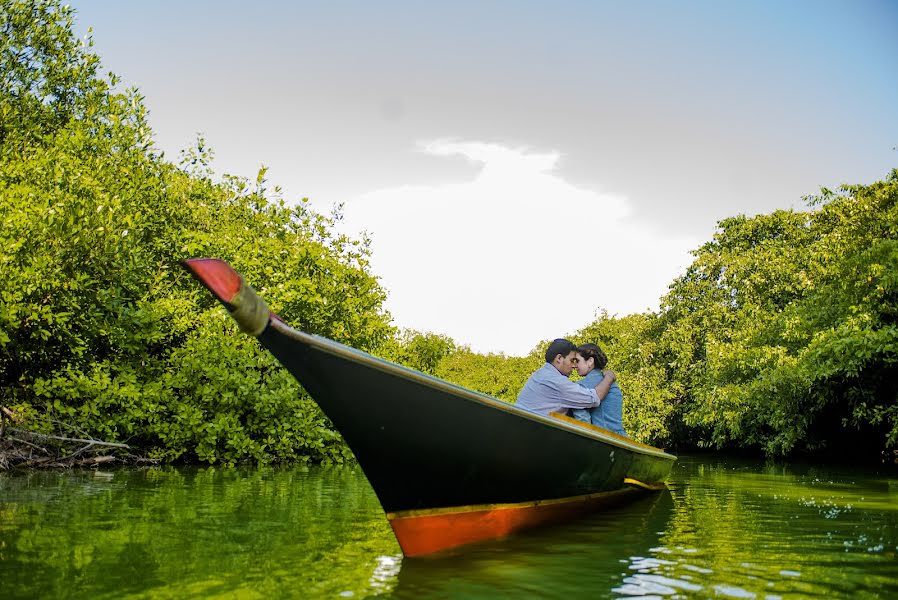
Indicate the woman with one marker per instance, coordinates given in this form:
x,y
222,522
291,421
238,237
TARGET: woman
x,y
610,413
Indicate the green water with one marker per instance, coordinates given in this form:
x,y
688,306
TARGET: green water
x,y
725,529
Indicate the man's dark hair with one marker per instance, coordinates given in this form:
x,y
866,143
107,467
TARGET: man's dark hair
x,y
560,346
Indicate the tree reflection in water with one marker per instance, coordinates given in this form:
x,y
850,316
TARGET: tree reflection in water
x,y
724,528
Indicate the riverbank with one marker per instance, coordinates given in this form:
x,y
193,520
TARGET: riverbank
x,y
21,448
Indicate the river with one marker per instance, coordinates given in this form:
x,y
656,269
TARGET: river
x,y
725,528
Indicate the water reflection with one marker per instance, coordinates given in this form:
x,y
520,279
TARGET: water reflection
x,y
560,562
182,533
742,530
725,529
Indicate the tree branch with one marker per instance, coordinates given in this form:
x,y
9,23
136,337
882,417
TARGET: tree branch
x,y
35,446
68,439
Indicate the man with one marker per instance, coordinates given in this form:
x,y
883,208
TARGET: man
x,y
550,390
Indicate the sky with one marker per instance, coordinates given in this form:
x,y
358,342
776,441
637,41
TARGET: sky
x,y
521,165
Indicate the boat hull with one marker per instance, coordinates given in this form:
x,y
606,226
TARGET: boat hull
x,y
449,465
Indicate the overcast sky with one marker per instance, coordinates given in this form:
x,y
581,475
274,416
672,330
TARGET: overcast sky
x,y
521,164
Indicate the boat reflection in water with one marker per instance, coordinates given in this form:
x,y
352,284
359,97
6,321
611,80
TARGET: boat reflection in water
x,y
449,466
600,555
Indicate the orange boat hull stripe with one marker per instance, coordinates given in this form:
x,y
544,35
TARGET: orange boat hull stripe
x,y
426,531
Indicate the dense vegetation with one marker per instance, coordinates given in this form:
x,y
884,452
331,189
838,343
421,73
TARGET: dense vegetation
x,y
781,336
100,328
783,333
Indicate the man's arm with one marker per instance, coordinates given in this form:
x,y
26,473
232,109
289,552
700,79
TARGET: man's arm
x,y
605,384
574,395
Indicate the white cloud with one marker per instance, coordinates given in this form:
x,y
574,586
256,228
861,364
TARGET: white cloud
x,y
514,256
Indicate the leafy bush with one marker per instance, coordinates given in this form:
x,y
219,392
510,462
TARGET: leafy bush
x,y
783,330
99,326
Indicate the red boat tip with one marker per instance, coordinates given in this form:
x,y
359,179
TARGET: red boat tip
x,y
217,275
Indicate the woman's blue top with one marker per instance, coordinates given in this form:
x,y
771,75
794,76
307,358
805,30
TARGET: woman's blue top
x,y
610,413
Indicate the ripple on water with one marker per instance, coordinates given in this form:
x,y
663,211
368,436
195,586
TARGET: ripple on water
x,y
642,584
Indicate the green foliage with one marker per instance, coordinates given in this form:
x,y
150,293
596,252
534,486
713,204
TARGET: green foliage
x,y
495,375
99,326
417,350
49,76
783,330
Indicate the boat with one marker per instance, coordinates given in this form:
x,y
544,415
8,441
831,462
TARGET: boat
x,y
449,466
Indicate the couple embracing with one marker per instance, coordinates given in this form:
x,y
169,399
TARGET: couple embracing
x,y
595,399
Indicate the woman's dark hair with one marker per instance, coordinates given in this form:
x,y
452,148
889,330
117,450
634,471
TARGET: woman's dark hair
x,y
588,351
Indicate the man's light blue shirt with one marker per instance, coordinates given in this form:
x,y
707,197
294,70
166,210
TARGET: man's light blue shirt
x,y
548,390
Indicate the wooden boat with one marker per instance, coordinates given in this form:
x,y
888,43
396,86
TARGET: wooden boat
x,y
450,466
